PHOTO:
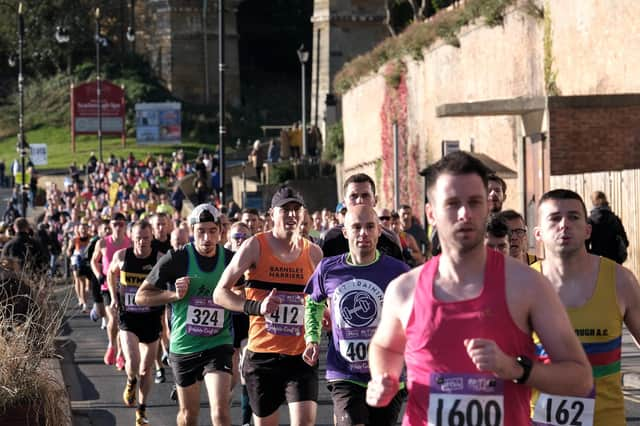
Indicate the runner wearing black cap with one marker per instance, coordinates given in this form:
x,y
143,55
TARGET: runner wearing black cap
x,y
201,340
279,264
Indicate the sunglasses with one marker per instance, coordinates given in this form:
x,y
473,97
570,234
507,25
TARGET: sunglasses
x,y
384,217
239,235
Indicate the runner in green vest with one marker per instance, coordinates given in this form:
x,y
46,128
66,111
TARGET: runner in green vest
x,y
201,341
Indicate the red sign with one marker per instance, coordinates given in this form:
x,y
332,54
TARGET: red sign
x,y
84,109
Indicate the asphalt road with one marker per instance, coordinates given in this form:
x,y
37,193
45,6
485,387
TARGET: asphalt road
x,y
96,389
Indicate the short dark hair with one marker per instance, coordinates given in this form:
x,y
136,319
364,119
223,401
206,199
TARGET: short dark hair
x,y
455,163
510,215
250,211
496,178
360,178
21,225
598,199
497,227
563,194
141,224
404,206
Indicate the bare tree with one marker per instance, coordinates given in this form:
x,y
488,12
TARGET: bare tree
x,y
388,5
418,7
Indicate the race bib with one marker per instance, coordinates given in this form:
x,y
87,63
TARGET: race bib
x,y
204,318
465,400
356,352
356,306
288,320
130,301
555,410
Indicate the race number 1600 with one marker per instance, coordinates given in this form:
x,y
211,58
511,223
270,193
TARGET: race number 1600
x,y
465,410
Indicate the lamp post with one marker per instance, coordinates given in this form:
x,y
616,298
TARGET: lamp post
x,y
303,56
22,143
222,130
62,36
99,40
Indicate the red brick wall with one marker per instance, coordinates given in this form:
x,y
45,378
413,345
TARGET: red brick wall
x,y
592,139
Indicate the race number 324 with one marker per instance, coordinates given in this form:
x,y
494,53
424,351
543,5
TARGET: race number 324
x,y
465,410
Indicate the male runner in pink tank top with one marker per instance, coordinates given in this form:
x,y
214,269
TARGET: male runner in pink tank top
x,y
462,323
102,255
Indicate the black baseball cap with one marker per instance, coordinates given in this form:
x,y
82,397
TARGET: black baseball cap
x,y
118,216
285,195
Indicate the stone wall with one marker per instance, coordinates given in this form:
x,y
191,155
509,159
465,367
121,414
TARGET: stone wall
x,y
593,47
596,46
343,29
170,35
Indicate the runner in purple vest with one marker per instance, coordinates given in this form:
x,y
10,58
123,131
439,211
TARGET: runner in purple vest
x,y
354,285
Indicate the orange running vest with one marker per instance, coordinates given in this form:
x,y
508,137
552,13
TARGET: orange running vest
x,y
281,332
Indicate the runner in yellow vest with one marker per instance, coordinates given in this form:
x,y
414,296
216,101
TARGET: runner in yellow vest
x,y
599,295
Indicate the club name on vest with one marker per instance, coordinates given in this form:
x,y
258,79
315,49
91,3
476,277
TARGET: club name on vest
x,y
286,273
592,331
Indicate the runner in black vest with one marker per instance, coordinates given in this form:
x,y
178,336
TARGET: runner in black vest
x,y
139,325
360,189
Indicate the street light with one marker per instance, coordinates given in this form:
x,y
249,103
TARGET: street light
x,y
22,145
131,35
62,36
303,56
100,41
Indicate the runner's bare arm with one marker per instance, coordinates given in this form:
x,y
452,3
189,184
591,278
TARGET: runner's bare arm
x,y
386,351
315,253
150,295
112,275
244,258
569,372
70,246
628,292
96,259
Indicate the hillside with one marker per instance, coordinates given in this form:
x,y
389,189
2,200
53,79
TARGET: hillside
x,y
47,118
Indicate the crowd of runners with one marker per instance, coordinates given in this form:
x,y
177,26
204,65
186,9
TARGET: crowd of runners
x,y
483,333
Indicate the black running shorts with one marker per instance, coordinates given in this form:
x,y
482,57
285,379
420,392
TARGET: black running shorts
x,y
187,369
146,327
350,406
273,378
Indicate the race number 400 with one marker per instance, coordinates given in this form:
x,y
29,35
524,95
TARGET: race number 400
x,y
465,400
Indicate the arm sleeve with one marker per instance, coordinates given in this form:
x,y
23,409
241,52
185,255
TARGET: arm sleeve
x,y
167,270
314,306
313,320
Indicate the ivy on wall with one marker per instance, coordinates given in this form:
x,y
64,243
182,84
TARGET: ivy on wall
x,y
445,25
395,110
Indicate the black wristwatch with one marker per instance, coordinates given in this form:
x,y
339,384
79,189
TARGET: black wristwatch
x,y
526,364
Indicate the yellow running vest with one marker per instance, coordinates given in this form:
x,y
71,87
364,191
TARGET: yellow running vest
x,y
598,324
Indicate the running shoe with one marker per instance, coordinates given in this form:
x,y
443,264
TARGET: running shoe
x,y
120,362
160,378
110,355
165,358
141,418
174,393
129,394
84,308
103,326
94,314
